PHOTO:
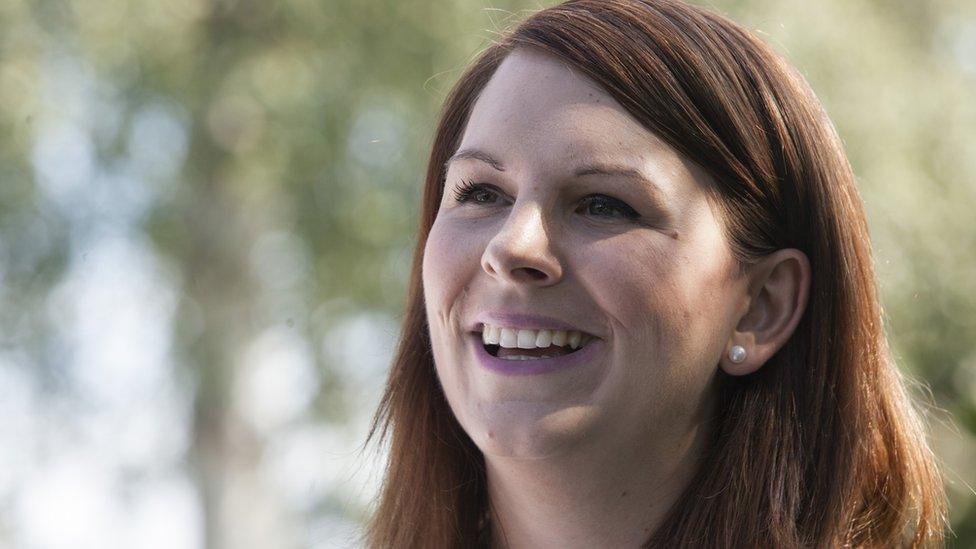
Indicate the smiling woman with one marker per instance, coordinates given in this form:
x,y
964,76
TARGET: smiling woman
x,y
642,310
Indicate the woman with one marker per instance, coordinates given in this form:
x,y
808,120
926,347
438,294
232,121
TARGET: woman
x,y
642,308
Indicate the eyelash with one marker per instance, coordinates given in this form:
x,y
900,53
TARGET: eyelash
x,y
466,192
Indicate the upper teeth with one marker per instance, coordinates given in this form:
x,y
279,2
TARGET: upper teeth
x,y
517,338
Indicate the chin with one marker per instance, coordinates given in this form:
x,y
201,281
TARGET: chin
x,y
530,430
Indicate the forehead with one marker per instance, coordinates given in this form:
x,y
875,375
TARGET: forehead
x,y
539,113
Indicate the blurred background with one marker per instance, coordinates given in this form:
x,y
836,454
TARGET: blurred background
x,y
207,209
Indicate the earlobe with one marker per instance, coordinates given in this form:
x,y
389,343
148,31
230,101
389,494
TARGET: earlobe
x,y
779,284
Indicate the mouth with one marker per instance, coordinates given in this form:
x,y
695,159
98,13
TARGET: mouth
x,y
511,352
525,344
527,354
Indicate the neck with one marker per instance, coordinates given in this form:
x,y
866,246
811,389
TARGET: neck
x,y
596,497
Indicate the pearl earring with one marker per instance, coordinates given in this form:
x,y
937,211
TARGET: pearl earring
x,y
737,354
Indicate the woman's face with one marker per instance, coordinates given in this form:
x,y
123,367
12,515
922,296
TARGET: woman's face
x,y
561,211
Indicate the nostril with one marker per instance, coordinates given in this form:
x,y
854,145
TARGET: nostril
x,y
533,274
521,266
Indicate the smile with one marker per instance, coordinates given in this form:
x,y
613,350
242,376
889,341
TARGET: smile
x,y
510,358
511,343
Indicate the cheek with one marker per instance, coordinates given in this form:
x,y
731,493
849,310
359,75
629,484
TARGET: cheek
x,y
635,281
440,276
451,259
444,259
663,294
665,302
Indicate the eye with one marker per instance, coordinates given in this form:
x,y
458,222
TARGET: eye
x,y
597,205
479,193
604,206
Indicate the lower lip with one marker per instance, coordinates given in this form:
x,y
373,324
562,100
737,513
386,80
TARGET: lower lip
x,y
536,365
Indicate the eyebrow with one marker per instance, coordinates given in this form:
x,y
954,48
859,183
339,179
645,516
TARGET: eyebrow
x,y
584,170
475,154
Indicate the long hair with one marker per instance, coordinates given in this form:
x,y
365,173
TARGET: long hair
x,y
822,445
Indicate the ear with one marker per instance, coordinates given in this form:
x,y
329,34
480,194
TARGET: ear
x,y
778,288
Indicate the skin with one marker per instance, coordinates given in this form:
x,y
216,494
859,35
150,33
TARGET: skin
x,y
592,456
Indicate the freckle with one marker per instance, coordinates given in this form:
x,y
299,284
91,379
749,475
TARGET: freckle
x,y
624,493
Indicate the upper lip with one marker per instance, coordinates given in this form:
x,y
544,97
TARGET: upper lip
x,y
507,319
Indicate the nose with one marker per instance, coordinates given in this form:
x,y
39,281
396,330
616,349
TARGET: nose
x,y
521,252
